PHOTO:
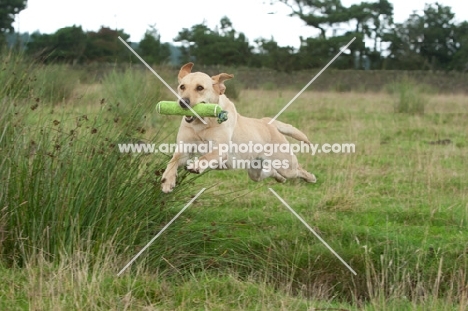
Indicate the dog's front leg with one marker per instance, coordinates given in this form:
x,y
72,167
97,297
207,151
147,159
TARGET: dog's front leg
x,y
213,160
168,180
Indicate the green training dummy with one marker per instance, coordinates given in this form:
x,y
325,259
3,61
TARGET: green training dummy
x,y
203,110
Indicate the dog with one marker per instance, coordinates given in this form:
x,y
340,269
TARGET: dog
x,y
198,88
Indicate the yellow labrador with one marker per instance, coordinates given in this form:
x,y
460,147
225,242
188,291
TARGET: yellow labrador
x,y
236,143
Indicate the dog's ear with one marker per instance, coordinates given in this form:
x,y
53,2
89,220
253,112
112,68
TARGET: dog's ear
x,y
218,82
185,70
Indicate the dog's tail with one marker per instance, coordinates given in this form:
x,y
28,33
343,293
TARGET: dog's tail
x,y
288,130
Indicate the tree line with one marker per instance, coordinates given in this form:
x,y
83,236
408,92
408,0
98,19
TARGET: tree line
x,y
429,40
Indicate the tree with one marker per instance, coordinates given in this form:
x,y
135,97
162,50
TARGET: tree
x,y
271,55
460,58
67,45
318,13
151,49
104,46
72,45
316,52
438,45
427,41
214,47
8,10
40,45
371,19
403,53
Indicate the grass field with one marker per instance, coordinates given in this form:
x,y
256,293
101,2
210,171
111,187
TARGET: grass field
x,y
74,210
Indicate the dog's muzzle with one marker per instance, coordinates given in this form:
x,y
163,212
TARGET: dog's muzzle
x,y
184,103
188,119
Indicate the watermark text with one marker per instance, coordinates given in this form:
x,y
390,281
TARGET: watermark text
x,y
250,147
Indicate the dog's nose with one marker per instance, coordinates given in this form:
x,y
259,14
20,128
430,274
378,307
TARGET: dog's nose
x,y
184,105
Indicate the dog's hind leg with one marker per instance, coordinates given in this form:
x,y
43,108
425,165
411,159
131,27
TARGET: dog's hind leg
x,y
258,174
309,177
294,170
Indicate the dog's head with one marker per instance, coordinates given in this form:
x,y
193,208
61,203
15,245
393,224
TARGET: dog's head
x,y
197,87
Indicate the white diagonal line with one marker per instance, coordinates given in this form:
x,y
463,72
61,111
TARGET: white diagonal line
x,y
313,231
162,80
159,233
313,79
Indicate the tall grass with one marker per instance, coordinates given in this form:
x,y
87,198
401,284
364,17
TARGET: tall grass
x,y
22,79
65,187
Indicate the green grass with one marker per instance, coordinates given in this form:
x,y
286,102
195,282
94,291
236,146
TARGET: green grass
x,y
74,210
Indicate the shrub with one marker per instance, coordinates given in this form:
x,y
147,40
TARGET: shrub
x,y
233,89
410,96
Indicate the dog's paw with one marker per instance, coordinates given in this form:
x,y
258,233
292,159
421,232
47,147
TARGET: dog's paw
x,y
311,178
167,185
193,168
280,178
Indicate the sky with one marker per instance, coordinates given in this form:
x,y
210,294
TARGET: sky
x,y
255,18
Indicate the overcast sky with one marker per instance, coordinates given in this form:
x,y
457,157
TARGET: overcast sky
x,y
255,18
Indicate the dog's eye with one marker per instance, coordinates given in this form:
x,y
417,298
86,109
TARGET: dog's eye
x,y
182,87
200,88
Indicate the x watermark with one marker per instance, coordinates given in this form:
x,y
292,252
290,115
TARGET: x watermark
x,y
311,81
160,232
312,230
199,193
